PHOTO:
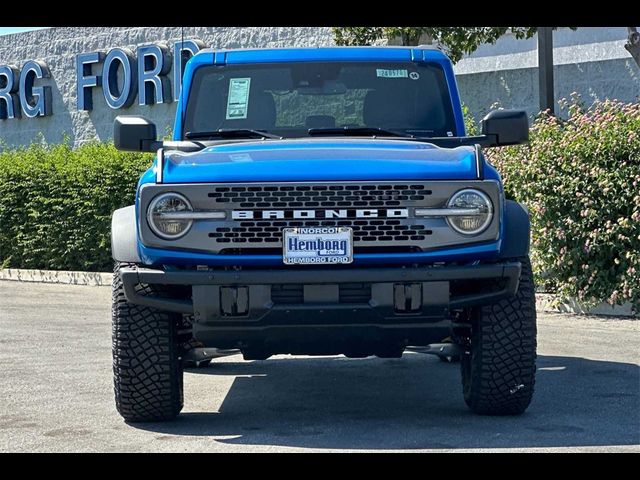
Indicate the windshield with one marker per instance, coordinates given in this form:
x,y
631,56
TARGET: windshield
x,y
289,99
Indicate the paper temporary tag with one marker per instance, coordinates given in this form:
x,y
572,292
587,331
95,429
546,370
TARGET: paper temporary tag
x,y
238,100
384,73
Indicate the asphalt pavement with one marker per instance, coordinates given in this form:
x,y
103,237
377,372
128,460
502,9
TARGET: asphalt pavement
x,y
57,392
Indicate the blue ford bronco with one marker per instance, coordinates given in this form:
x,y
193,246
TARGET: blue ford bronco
x,y
322,201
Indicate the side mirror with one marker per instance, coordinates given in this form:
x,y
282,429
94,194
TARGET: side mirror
x,y
134,133
506,127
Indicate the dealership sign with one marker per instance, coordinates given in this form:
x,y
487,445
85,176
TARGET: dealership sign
x,y
122,74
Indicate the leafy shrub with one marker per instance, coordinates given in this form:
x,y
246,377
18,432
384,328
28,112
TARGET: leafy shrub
x,y
470,124
56,204
580,179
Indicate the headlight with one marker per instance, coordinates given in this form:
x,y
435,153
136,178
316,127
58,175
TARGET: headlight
x,y
470,199
164,215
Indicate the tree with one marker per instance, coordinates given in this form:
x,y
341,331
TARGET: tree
x,y
456,41
633,44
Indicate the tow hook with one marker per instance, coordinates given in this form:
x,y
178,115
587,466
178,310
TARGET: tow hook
x,y
439,349
197,357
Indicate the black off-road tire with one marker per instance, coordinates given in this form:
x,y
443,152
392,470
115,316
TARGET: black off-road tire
x,y
147,369
498,371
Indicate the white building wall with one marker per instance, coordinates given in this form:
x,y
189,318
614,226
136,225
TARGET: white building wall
x,y
590,61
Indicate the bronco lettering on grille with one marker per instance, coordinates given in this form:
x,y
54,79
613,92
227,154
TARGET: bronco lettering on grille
x,y
306,214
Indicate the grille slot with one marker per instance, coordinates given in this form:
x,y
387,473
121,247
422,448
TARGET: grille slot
x,y
294,294
291,294
355,292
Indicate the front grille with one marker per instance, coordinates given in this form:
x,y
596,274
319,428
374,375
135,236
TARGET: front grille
x,y
345,196
256,213
365,231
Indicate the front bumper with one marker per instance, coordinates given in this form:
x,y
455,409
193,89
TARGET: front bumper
x,y
253,297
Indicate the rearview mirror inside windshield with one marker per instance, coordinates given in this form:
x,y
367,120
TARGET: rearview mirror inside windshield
x,y
329,87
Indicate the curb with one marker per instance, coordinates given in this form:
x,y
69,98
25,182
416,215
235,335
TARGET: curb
x,y
54,276
548,302
545,302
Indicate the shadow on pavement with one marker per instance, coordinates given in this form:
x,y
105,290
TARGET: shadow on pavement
x,y
411,403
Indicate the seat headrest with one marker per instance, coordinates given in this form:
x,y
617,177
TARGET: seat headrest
x,y
402,108
320,121
388,108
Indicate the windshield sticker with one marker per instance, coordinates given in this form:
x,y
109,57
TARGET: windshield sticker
x,y
240,157
384,73
238,102
414,75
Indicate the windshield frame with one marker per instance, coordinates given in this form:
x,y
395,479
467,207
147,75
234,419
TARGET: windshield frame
x,y
438,59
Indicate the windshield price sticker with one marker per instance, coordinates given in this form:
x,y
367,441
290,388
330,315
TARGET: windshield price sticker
x,y
238,101
384,73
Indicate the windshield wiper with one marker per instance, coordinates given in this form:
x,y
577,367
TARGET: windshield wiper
x,y
359,131
231,133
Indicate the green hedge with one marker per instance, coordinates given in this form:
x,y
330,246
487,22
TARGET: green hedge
x,y
56,204
580,179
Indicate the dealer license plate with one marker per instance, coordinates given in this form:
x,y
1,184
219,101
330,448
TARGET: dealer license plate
x,y
316,245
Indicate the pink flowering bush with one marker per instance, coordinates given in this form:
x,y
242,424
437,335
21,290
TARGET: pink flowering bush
x,y
580,179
